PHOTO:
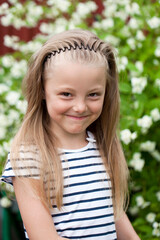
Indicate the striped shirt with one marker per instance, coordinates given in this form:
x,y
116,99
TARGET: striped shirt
x,y
87,211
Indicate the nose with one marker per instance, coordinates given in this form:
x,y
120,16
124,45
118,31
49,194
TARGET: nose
x,y
80,106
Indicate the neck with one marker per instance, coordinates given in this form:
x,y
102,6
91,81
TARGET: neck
x,y
72,142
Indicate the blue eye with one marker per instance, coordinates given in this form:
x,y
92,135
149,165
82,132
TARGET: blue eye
x,y
66,94
93,95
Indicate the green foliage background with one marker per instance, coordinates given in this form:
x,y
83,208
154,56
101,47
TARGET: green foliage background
x,y
133,28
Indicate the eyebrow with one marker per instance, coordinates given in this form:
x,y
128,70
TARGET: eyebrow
x,y
97,88
69,89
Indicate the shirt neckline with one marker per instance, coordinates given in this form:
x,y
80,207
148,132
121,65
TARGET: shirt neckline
x,y
91,140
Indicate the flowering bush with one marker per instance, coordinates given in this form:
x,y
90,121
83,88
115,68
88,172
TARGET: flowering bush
x,y
133,28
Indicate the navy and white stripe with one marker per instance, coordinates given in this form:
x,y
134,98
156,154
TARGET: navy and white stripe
x,y
87,211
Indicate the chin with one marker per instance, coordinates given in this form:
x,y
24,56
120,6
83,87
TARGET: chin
x,y
76,131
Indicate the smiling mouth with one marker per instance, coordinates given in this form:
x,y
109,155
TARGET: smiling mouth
x,y
77,117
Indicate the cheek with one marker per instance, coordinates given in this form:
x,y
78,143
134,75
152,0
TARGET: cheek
x,y
55,106
97,107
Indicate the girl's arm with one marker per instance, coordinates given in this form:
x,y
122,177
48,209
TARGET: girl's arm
x,y
125,230
36,217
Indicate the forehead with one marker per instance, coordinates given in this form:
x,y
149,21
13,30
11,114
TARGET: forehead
x,y
74,65
80,77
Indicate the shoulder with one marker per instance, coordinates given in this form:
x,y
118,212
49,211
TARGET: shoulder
x,y
24,162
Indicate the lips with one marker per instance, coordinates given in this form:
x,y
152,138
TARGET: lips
x,y
76,117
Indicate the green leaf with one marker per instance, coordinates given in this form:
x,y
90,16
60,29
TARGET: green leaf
x,y
131,67
155,103
125,87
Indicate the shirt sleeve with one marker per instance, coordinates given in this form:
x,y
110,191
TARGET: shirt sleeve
x,y
28,165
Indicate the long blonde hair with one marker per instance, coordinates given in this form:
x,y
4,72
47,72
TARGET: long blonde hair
x,y
35,130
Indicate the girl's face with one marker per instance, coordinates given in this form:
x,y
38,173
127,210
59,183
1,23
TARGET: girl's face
x,y
74,96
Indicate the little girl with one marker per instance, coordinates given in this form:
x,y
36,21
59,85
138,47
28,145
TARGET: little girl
x,y
66,163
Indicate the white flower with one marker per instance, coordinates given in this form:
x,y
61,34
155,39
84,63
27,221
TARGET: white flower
x,y
13,1
157,83
13,116
9,188
19,68
133,23
139,66
18,23
136,162
50,2
97,24
109,10
133,210
107,23
136,104
155,225
7,61
22,106
71,25
126,136
2,108
144,122
63,5
3,8
76,19
11,41
157,52
158,196
1,71
2,152
34,10
154,22
122,63
156,232
124,60
138,84
125,31
140,36
155,62
82,9
2,132
132,8
151,217
155,154
60,25
140,201
3,120
135,8
148,146
46,28
7,20
31,46
13,97
54,12
158,40
121,14
5,202
155,114
91,5
115,41
131,42
3,88
6,146
134,136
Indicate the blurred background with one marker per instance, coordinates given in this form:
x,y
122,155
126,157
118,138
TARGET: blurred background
x,y
133,28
